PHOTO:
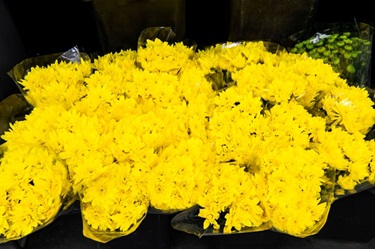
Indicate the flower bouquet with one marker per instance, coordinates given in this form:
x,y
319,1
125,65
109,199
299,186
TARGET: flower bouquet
x,y
35,187
231,138
345,46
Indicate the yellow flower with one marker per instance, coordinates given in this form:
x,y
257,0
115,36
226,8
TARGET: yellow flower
x,y
45,85
349,154
159,56
371,177
350,108
257,140
114,201
229,189
293,199
35,186
174,184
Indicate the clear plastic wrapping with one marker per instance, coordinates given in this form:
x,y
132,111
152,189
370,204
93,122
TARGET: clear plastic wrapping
x,y
121,22
347,47
48,191
255,155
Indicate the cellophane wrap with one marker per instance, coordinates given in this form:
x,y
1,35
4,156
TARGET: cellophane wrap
x,y
346,46
34,185
253,153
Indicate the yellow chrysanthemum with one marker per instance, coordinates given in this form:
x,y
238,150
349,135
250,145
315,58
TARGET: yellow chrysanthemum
x,y
174,184
113,202
34,188
349,108
159,56
257,139
60,83
232,191
292,196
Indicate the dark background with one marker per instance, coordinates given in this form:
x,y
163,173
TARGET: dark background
x,y
32,28
53,26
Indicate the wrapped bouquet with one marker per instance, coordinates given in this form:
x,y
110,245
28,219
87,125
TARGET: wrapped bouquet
x,y
246,138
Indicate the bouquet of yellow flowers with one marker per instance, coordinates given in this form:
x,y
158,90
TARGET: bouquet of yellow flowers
x,y
251,139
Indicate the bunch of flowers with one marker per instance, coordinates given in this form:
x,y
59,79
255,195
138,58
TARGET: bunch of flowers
x,y
257,140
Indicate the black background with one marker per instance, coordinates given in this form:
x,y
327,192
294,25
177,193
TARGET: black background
x,y
54,26
33,28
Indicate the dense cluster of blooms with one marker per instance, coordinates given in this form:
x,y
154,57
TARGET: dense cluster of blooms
x,y
265,140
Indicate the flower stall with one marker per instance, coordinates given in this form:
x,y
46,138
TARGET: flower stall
x,y
233,138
